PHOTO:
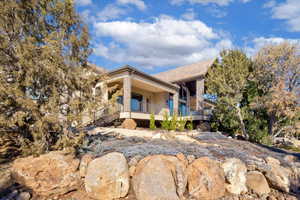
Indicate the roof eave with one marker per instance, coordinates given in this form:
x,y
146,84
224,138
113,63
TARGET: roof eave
x,y
131,69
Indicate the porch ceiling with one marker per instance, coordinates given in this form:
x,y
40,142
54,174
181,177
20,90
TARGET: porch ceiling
x,y
146,86
142,84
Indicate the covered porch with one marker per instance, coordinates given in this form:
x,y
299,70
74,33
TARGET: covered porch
x,y
143,95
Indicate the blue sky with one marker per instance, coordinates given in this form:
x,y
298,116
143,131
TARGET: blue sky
x,y
157,35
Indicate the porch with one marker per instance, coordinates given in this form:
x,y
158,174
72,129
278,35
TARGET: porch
x,y
143,95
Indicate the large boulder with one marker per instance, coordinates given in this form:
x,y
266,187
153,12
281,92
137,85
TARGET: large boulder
x,y
257,183
129,124
85,160
205,179
5,179
277,176
159,177
235,173
107,177
49,174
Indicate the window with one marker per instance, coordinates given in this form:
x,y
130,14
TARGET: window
x,y
183,109
171,103
136,102
182,94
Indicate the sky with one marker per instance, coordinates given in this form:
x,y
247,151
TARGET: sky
x,y
158,35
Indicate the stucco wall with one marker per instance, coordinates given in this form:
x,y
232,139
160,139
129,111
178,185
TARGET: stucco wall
x,y
158,103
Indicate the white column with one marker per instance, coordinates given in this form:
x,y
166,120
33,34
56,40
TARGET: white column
x,y
199,93
188,100
127,93
176,103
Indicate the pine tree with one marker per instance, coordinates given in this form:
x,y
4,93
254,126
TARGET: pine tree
x,y
45,86
227,79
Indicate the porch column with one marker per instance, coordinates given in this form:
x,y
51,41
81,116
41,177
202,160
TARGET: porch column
x,y
188,102
127,93
176,103
199,93
144,104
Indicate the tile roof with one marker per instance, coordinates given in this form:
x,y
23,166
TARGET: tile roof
x,y
185,72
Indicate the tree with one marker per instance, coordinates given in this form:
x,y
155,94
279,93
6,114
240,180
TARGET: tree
x,y
227,79
45,86
277,76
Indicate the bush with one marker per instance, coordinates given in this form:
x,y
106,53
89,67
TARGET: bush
x,y
181,123
165,124
173,123
190,125
152,122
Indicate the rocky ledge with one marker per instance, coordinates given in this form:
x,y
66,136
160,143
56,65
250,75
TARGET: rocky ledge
x,y
206,166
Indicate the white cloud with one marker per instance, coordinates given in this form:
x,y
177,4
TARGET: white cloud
x,y
165,42
176,2
189,14
138,3
216,12
110,12
259,42
269,4
289,11
205,2
83,2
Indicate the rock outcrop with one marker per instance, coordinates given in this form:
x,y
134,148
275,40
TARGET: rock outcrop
x,y
85,160
208,166
159,177
107,177
52,173
235,173
205,179
277,176
257,183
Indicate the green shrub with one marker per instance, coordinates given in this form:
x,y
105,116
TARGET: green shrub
x,y
152,122
190,125
173,123
181,123
165,124
290,148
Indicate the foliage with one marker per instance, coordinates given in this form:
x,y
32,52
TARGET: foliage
x,y
173,123
260,97
45,85
277,76
190,125
228,78
290,148
166,122
152,122
181,123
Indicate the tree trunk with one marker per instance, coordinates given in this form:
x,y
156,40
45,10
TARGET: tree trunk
x,y
271,124
242,123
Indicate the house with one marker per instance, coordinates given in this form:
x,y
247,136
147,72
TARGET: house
x,y
178,91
